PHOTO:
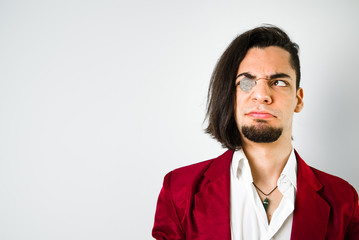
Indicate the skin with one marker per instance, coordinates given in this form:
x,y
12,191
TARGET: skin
x,y
270,103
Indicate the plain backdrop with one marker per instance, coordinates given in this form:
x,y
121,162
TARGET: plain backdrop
x,y
100,99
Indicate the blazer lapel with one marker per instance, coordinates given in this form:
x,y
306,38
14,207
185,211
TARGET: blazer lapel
x,y
311,212
212,202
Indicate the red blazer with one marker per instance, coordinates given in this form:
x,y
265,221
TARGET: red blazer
x,y
194,203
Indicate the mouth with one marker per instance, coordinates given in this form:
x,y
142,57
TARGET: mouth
x,y
260,115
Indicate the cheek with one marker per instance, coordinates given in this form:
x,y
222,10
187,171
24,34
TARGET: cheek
x,y
295,105
289,103
240,99
237,107
237,110
289,110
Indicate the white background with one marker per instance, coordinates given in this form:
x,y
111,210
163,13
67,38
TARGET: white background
x,y
99,99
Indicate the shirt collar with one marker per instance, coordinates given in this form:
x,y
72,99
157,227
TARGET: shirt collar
x,y
290,170
241,168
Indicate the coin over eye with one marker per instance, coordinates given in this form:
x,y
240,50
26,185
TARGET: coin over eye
x,y
247,84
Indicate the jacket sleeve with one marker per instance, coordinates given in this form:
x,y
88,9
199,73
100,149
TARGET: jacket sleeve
x,y
352,232
167,223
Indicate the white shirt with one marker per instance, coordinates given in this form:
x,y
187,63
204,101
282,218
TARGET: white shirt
x,y
248,217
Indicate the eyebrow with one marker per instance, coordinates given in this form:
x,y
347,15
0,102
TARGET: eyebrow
x,y
273,76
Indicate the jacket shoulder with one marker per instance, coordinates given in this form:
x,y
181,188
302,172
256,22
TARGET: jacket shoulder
x,y
343,200
184,176
192,174
333,184
332,188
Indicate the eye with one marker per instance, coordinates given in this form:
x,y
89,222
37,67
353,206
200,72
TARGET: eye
x,y
279,83
246,84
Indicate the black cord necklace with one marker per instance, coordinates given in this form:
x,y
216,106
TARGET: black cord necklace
x,y
266,200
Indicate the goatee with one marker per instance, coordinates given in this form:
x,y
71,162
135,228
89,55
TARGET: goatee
x,y
261,134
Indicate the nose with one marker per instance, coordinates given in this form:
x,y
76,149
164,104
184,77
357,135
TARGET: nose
x,y
261,92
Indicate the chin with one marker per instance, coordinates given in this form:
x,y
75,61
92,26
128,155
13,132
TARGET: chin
x,y
261,133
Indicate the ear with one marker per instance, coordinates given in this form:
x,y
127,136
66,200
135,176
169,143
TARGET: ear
x,y
299,97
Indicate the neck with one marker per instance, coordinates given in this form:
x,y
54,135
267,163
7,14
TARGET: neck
x,y
267,160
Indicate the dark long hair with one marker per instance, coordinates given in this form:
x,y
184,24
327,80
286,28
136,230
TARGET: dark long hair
x,y
221,93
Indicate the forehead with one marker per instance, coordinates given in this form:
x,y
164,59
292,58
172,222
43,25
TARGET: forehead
x,y
266,61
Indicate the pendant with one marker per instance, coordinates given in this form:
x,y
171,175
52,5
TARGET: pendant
x,y
266,204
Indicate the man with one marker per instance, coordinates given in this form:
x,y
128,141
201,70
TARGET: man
x,y
260,188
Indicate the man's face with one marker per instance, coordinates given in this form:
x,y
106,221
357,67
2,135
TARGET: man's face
x,y
265,112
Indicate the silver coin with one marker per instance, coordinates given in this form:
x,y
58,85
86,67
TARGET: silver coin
x,y
247,84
